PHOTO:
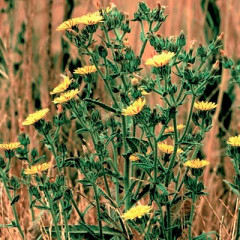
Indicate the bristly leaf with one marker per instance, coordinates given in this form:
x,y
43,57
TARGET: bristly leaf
x,y
102,105
15,199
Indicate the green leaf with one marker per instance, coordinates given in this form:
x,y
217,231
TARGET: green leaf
x,y
88,232
85,182
205,236
42,207
162,188
233,187
102,105
15,200
143,165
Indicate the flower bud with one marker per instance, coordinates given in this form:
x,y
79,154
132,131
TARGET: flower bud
x,y
192,44
126,43
216,65
135,81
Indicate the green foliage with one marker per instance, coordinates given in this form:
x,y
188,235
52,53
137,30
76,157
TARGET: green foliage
x,y
127,162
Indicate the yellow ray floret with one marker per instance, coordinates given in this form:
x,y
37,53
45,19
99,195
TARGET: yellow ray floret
x,y
135,108
37,169
205,106
69,24
234,141
35,117
134,157
160,60
10,146
91,18
65,97
196,163
62,86
136,212
171,128
85,70
168,149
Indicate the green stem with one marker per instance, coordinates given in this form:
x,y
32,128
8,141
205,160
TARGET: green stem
x,y
98,211
238,226
55,222
78,211
191,216
126,164
189,118
145,40
102,76
14,210
116,168
169,222
155,159
172,160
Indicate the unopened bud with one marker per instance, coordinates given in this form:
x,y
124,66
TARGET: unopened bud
x,y
189,66
126,43
85,150
59,108
192,44
126,14
158,5
220,37
112,5
216,65
135,81
222,52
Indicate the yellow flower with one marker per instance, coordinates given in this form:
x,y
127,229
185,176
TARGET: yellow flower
x,y
196,163
65,97
171,128
136,212
91,18
168,149
10,146
62,86
234,141
135,108
35,117
37,169
69,24
134,157
160,60
85,70
205,106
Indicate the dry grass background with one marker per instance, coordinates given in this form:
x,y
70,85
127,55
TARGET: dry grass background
x,y
27,88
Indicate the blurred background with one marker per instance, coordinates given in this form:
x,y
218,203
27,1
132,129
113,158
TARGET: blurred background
x,y
33,54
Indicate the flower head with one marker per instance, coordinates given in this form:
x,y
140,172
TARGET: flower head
x,y
37,169
168,149
196,163
160,60
91,18
136,212
134,157
85,70
10,146
205,106
62,86
35,117
69,24
234,141
171,128
65,97
135,108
